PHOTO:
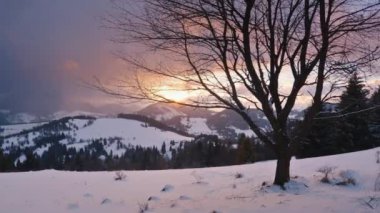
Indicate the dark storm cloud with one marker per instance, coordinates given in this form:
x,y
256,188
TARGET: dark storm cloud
x,y
46,47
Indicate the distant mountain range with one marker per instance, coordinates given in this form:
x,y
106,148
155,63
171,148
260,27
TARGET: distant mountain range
x,y
225,123
187,120
151,126
8,117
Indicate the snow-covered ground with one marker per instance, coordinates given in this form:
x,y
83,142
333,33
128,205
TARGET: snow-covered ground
x,y
247,132
197,126
198,190
131,131
82,132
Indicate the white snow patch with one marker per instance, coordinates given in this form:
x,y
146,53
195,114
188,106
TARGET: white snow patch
x,y
246,132
20,159
197,126
40,150
167,113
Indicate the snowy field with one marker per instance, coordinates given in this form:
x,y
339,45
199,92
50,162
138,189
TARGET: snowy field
x,y
223,189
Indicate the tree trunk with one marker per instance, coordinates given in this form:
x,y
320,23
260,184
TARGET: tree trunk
x,y
283,168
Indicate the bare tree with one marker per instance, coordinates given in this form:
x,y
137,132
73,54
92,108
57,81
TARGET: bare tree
x,y
237,53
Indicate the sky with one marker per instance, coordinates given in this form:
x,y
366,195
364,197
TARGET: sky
x,y
50,50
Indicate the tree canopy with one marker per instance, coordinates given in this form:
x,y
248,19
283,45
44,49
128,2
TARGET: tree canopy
x,y
235,54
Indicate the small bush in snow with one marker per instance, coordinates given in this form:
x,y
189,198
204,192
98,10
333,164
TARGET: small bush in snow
x,y
198,178
105,201
347,178
143,207
238,175
119,175
326,170
378,157
167,188
153,198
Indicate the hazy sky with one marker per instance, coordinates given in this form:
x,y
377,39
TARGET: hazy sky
x,y
47,49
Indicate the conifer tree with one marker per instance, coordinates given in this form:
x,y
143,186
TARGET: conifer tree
x,y
163,148
375,101
353,129
245,151
355,96
375,115
345,130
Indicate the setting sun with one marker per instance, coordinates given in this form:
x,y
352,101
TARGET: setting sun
x,y
173,93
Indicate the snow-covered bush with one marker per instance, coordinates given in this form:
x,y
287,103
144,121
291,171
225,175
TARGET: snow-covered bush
x,y
238,175
119,175
143,207
326,170
343,178
347,177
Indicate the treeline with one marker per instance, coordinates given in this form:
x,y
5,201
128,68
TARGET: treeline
x,y
353,124
204,151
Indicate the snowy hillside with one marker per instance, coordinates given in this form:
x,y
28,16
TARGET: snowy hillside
x,y
161,112
80,132
226,124
235,189
131,132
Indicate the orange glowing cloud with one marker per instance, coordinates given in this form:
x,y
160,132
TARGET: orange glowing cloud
x,y
71,65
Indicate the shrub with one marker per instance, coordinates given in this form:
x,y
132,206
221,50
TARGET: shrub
x,y
348,178
326,170
119,175
143,207
238,175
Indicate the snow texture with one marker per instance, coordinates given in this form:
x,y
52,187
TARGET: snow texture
x,y
198,190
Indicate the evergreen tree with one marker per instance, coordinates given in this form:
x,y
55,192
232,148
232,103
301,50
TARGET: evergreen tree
x,y
375,101
375,115
163,148
350,131
355,96
353,129
245,151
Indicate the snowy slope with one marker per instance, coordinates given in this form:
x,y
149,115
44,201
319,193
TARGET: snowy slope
x,y
161,112
80,132
133,132
197,190
197,126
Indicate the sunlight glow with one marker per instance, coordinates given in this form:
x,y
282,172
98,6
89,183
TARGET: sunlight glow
x,y
173,94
